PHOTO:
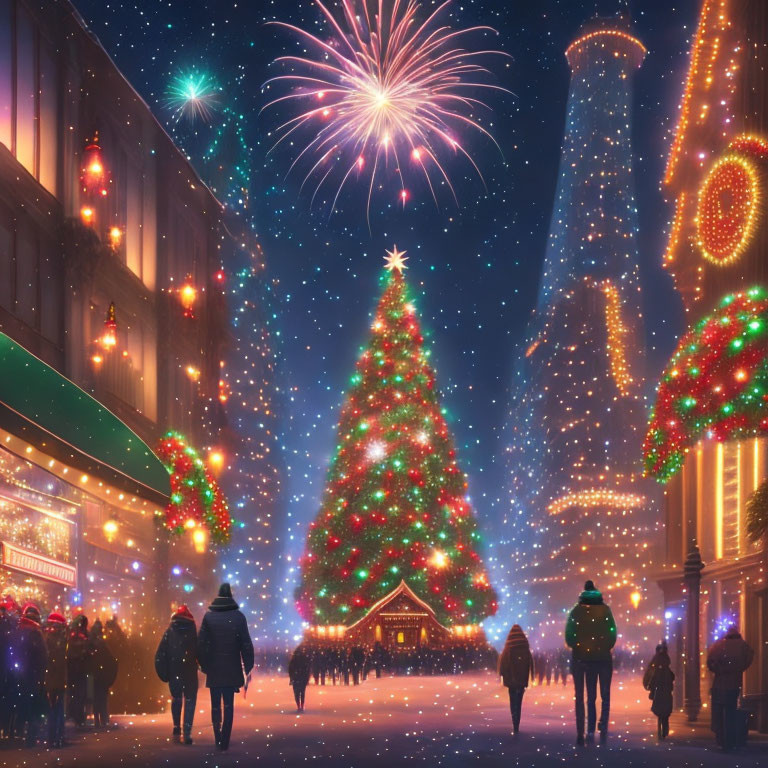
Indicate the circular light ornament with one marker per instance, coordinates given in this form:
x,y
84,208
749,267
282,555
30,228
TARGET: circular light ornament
x,y
726,215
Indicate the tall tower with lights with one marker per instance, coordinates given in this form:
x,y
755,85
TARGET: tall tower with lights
x,y
579,507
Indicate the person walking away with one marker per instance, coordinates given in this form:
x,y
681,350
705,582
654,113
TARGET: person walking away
x,y
104,675
516,669
659,681
55,636
590,633
356,662
344,661
79,653
377,658
176,664
728,658
298,675
225,650
32,657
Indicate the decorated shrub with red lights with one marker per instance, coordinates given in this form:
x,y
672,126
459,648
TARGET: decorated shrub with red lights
x,y
196,499
395,504
715,386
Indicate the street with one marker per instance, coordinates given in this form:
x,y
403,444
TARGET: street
x,y
435,721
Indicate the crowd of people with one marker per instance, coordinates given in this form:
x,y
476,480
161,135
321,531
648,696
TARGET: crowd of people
x,y
52,669
590,634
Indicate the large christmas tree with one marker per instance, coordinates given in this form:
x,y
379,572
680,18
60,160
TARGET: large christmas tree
x,y
395,504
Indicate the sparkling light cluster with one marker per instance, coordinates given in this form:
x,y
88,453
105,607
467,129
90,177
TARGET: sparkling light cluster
x,y
389,85
196,499
715,386
728,201
395,506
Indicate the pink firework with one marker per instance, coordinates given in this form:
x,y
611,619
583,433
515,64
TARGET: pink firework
x,y
384,89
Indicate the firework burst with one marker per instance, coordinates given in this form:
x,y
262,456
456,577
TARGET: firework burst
x,y
384,89
192,95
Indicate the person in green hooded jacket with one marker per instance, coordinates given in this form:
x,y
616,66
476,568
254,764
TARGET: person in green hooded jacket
x,y
590,633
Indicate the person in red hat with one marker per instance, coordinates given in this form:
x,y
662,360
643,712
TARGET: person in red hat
x,y
32,657
55,634
176,664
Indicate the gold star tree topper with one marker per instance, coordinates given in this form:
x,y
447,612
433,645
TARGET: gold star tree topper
x,y
395,260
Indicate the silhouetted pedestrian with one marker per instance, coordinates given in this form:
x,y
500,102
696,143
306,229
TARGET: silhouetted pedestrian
x,y
176,664
659,680
727,659
104,665
590,633
225,649
79,658
55,635
298,675
31,657
516,668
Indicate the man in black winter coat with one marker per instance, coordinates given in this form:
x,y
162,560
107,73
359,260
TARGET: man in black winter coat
x,y
176,664
225,649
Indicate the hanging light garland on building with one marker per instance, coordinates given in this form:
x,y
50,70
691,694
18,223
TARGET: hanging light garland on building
x,y
196,499
715,386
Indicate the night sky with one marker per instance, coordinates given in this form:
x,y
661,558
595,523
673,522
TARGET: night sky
x,y
474,269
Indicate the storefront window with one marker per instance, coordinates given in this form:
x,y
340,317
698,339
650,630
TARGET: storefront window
x,y
38,527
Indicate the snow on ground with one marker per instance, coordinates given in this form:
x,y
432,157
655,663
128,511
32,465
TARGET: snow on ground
x,y
399,721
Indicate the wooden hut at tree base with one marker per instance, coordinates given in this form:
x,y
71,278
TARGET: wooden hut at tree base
x,y
400,621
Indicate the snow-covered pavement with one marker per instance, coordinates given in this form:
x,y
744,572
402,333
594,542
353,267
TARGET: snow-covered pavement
x,y
430,721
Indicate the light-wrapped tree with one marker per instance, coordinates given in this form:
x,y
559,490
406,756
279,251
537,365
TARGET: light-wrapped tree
x,y
395,504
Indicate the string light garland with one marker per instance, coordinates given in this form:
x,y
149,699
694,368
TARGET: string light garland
x,y
196,499
597,497
599,33
713,15
728,201
617,332
395,506
715,386
674,234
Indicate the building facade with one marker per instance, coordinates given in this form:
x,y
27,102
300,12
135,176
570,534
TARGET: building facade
x,y
718,240
110,257
579,507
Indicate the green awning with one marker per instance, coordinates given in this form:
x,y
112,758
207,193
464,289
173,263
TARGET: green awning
x,y
55,416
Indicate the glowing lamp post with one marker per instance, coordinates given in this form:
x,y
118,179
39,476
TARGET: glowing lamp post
x,y
635,599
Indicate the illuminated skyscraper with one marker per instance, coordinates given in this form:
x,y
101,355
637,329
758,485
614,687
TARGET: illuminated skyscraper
x,y
578,506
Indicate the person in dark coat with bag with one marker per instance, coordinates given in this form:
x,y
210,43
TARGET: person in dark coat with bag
x,y
31,657
727,659
176,664
55,635
299,671
104,675
225,649
659,681
590,633
516,668
79,659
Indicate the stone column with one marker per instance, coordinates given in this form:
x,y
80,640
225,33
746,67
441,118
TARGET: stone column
x,y
692,579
